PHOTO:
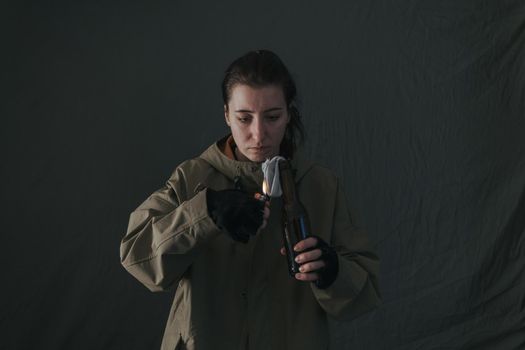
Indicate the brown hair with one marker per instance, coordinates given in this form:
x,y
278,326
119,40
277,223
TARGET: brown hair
x,y
261,68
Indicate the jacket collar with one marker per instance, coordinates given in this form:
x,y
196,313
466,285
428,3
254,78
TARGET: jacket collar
x,y
250,172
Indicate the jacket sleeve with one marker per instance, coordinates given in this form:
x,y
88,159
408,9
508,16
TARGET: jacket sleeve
x,y
165,233
355,290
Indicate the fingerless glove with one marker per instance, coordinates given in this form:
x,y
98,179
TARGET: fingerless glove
x,y
328,273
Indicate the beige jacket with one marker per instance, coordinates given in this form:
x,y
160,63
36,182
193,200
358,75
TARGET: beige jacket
x,y
230,295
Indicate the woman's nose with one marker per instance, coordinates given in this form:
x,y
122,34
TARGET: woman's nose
x,y
258,130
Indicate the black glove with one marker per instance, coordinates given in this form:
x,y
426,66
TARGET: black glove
x,y
328,273
236,211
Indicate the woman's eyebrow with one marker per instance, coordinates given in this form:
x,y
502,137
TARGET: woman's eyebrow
x,y
268,110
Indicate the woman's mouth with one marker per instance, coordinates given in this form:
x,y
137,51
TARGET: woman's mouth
x,y
259,149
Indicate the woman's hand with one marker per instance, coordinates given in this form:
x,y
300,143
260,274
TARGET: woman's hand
x,y
308,259
317,260
237,212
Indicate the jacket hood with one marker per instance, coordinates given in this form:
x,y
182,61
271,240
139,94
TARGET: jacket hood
x,y
250,172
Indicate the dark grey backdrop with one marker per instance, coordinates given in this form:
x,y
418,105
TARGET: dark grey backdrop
x,y
417,105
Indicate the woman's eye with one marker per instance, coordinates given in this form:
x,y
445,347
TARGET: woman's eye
x,y
272,117
244,120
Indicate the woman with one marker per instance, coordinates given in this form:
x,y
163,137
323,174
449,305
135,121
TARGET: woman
x,y
205,235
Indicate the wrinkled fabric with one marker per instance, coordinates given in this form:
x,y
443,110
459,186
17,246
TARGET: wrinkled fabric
x,y
417,106
229,294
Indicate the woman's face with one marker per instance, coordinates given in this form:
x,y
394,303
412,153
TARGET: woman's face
x,y
257,117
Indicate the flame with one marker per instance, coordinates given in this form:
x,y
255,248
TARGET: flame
x,y
265,187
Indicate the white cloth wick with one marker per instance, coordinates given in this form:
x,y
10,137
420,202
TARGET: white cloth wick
x,y
270,170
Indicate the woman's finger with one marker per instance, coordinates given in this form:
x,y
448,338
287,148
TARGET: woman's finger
x,y
308,256
305,244
312,266
307,277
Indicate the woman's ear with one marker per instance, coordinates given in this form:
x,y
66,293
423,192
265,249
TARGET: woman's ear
x,y
226,116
